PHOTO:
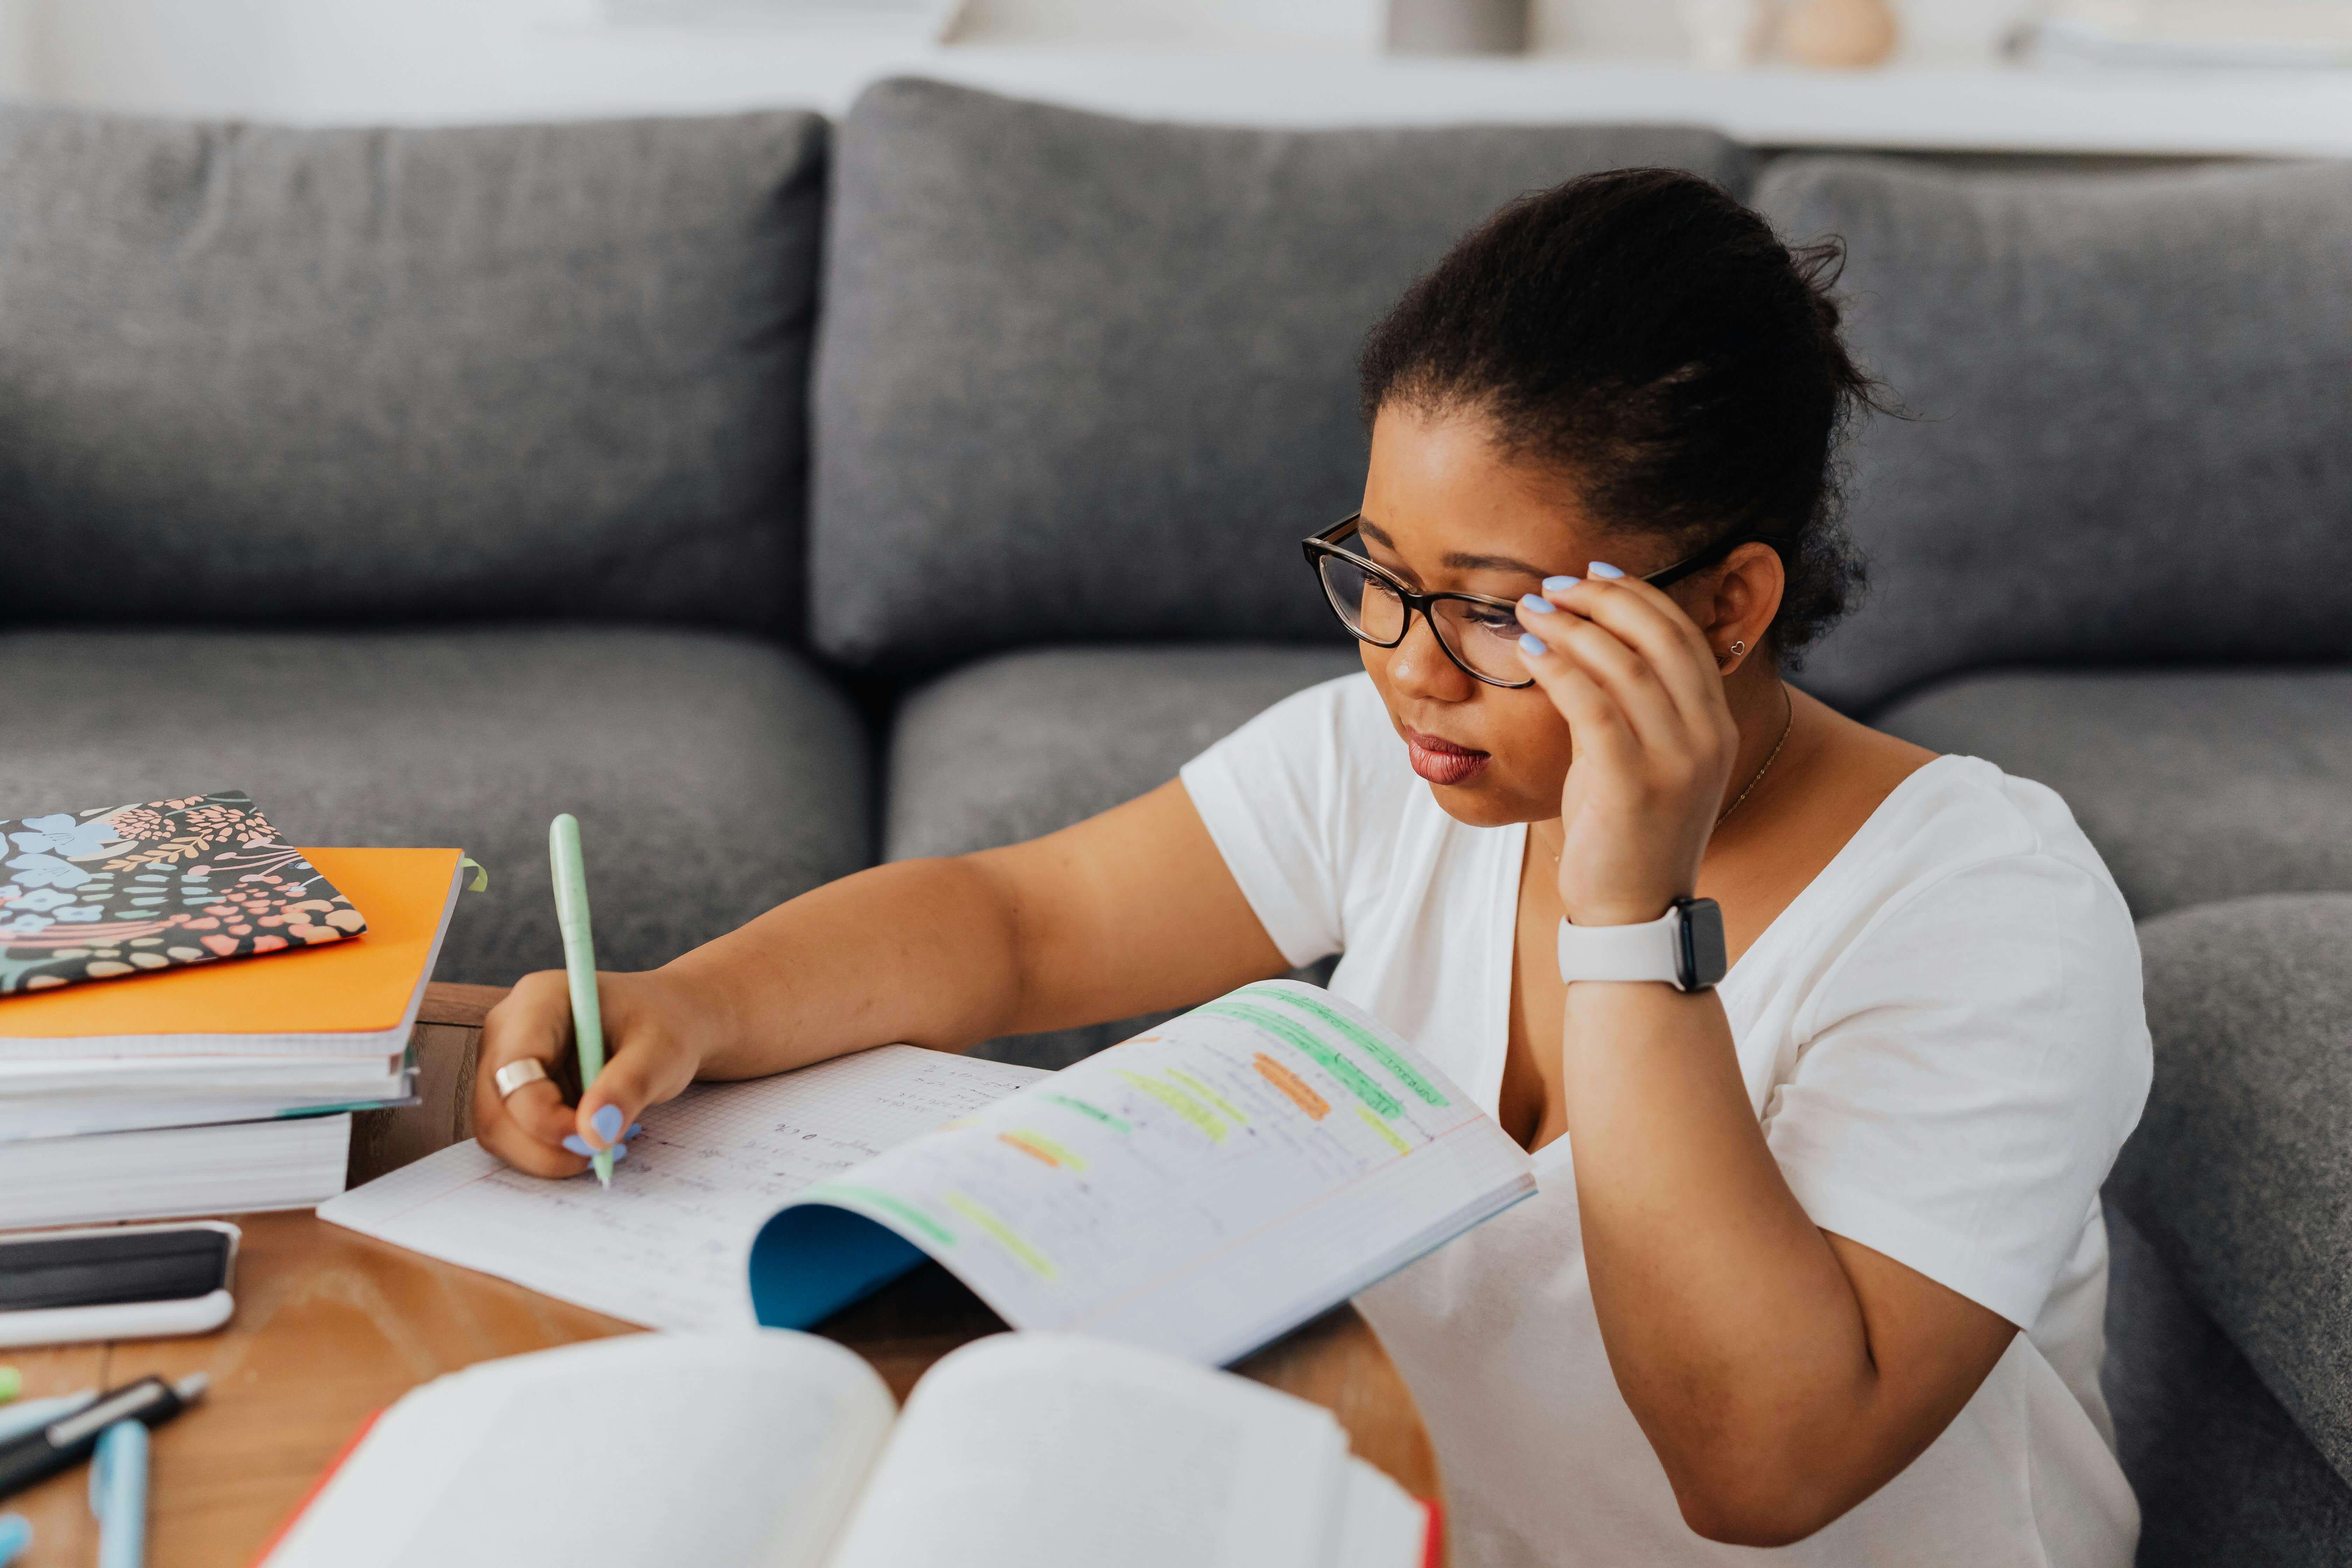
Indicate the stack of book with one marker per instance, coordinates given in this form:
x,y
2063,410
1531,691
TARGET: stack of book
x,y
190,1010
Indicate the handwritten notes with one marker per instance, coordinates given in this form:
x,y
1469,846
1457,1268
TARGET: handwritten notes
x,y
666,1246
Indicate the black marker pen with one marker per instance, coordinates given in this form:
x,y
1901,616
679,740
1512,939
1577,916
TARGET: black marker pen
x,y
68,1440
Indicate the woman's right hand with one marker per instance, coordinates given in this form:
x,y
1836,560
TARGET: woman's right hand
x,y
655,1042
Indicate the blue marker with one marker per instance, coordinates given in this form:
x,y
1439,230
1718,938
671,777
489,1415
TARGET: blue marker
x,y
118,1495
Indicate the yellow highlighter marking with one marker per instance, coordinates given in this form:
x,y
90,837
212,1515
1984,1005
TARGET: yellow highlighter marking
x,y
1384,1130
1004,1233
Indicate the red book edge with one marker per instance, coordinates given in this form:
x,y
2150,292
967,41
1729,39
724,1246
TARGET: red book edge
x,y
277,1537
1432,1543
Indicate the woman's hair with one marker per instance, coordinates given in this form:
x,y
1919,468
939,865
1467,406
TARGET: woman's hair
x,y
1651,338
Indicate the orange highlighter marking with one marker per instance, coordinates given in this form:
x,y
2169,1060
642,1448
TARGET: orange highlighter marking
x,y
1043,1149
1291,1084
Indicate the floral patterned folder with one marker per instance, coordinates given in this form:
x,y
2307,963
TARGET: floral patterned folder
x,y
93,895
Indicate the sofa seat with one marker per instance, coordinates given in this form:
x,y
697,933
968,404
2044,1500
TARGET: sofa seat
x,y
1022,745
713,776
2195,785
2238,1181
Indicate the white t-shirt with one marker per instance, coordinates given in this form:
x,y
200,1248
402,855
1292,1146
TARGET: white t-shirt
x,y
1943,1038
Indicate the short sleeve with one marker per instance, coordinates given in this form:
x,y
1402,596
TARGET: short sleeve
x,y
1965,1074
1282,798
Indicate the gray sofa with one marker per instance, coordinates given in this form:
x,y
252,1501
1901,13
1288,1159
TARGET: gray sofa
x,y
779,496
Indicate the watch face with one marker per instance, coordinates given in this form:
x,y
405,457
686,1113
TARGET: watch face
x,y
1702,946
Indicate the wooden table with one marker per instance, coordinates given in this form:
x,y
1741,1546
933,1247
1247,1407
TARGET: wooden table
x,y
331,1326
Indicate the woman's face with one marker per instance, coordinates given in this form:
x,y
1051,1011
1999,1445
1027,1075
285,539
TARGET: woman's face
x,y
1445,510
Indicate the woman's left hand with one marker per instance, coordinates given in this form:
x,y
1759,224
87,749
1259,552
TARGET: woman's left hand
x,y
1654,742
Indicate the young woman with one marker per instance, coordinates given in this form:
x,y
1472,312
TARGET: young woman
x,y
1817,1256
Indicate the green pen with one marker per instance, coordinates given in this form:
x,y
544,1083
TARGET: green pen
x,y
579,959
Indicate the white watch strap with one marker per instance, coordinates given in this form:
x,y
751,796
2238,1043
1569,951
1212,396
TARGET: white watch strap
x,y
1644,952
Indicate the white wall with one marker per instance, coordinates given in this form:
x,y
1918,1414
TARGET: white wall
x,y
427,60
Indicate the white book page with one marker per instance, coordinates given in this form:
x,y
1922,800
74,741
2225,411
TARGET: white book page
x,y
1381,1525
666,1246
1203,1188
1053,1451
738,1449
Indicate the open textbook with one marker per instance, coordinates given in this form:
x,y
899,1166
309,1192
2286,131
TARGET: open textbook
x,y
779,1450
1200,1189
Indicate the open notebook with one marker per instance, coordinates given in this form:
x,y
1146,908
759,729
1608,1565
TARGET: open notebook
x,y
778,1450
1200,1189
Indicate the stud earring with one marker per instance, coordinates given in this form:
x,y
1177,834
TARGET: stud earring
x,y
1738,648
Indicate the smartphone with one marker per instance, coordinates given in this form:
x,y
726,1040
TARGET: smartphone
x,y
126,1282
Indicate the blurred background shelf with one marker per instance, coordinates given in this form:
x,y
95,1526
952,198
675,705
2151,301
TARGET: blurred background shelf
x,y
1297,62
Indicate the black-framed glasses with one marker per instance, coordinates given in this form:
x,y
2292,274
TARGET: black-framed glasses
x,y
1479,633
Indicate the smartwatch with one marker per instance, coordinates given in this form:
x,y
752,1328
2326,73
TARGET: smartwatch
x,y
1683,947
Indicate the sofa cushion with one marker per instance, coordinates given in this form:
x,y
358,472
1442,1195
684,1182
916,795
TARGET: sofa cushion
x,y
1022,745
253,374
2241,1174
1089,378
2194,785
1019,745
2222,1473
713,776
2133,431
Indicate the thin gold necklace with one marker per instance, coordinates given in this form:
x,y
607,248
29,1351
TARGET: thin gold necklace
x,y
1787,725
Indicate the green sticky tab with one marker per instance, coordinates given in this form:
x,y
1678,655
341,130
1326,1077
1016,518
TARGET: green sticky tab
x,y
12,1384
481,883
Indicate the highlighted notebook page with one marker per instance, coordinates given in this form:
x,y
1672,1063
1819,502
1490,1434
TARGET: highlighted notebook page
x,y
1201,1188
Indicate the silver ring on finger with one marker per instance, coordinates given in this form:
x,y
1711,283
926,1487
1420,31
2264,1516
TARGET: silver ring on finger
x,y
514,1075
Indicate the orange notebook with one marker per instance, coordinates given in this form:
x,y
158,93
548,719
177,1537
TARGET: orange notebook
x,y
357,996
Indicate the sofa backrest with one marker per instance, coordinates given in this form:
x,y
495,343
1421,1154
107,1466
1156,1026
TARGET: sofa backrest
x,y
2132,431
1084,377
254,373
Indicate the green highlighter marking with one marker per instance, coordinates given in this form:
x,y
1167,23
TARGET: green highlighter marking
x,y
1373,1045
1301,1039
826,1191
1083,1109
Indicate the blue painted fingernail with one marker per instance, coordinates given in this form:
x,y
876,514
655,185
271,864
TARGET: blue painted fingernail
x,y
577,1144
1537,605
1602,569
606,1122
635,1128
1560,585
1530,642
619,1151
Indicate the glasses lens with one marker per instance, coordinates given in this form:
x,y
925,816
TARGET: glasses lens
x,y
1484,637
1368,607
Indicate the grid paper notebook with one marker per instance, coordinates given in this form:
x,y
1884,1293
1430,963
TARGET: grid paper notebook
x,y
666,1246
